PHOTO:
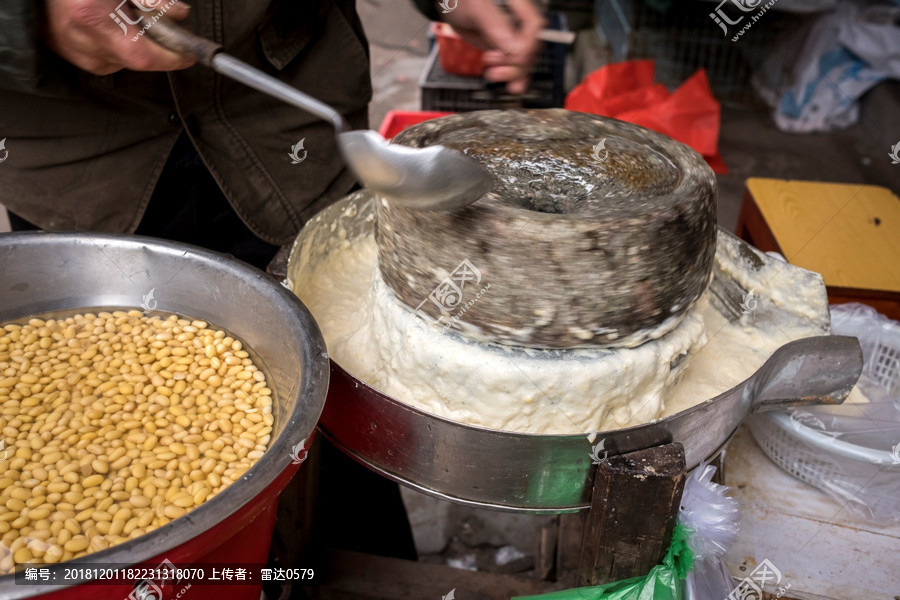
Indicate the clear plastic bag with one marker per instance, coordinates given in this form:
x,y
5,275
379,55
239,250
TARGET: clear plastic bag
x,y
814,77
714,517
879,338
707,525
850,451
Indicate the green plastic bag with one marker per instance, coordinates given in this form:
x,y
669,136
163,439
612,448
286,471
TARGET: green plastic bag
x,y
663,582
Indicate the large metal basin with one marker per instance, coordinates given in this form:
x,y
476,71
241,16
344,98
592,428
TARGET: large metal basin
x,y
535,473
55,272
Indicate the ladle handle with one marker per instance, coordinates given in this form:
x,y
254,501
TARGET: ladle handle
x,y
170,35
556,36
240,71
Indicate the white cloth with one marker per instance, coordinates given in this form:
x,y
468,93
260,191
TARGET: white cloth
x,y
845,53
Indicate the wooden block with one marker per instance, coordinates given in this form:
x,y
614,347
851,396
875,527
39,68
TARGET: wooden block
x,y
752,227
633,508
545,551
568,548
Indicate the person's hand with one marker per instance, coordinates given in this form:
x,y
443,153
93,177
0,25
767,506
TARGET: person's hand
x,y
83,33
509,47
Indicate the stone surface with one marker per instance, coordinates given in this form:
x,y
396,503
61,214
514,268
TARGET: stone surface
x,y
597,233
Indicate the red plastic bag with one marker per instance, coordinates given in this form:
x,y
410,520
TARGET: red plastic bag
x,y
626,91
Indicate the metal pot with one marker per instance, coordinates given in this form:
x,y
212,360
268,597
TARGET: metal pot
x,y
546,473
55,272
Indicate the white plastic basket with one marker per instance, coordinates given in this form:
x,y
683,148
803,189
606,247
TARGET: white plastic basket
x,y
883,357
864,470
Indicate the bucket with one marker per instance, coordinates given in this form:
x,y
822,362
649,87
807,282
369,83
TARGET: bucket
x,y
457,57
67,273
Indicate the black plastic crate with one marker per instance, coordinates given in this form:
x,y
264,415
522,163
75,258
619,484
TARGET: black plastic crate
x,y
442,91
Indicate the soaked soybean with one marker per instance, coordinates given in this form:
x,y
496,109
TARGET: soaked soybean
x,y
114,423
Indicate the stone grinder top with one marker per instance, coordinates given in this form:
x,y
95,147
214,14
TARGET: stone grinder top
x,y
597,233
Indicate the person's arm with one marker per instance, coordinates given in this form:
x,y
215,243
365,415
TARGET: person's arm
x,y
84,33
81,32
510,44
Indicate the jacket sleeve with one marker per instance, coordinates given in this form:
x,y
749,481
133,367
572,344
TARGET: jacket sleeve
x,y
429,8
20,48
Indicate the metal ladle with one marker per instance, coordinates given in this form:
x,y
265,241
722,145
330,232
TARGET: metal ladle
x,y
432,178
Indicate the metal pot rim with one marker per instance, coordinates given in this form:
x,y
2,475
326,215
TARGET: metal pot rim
x,y
518,473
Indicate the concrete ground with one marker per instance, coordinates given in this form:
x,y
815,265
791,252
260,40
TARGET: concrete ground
x,y
398,41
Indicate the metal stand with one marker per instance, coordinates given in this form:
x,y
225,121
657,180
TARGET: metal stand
x,y
625,533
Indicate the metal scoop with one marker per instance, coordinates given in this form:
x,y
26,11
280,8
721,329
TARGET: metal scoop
x,y
433,178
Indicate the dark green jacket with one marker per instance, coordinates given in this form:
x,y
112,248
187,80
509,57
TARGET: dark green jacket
x,y
84,152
